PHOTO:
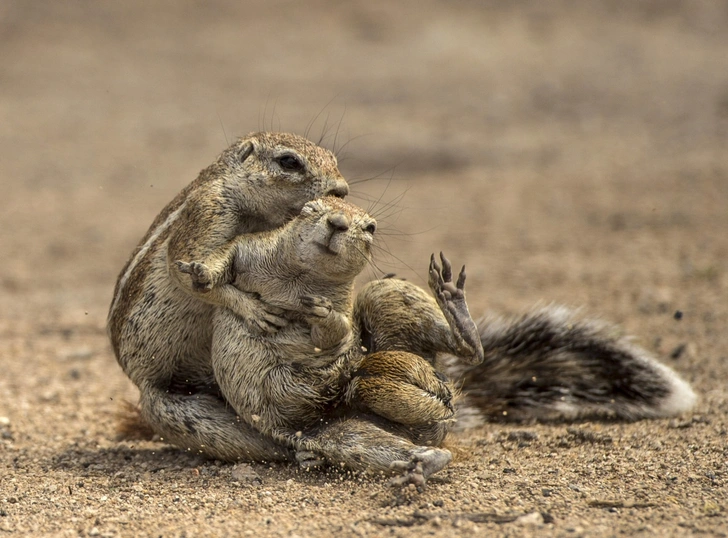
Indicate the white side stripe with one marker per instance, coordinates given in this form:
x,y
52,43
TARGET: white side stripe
x,y
142,251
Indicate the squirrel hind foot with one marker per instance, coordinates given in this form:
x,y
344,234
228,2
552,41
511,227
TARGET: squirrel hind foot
x,y
419,468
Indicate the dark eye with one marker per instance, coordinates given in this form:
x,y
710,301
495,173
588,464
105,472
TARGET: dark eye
x,y
290,163
371,228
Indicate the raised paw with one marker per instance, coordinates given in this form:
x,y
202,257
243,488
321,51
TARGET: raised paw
x,y
420,467
441,281
451,299
199,272
315,306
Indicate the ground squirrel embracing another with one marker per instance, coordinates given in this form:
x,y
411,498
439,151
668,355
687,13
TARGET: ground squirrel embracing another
x,y
311,385
547,362
160,325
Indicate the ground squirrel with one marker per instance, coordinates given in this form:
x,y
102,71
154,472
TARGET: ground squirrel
x,y
161,326
547,362
312,377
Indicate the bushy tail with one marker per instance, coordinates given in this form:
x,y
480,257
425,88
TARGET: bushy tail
x,y
550,363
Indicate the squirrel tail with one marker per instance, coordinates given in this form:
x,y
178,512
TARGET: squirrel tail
x,y
550,364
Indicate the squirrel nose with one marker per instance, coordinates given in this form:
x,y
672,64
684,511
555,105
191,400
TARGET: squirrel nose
x,y
339,222
338,188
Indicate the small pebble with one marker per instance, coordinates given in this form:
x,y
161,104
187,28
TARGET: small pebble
x,y
244,473
534,518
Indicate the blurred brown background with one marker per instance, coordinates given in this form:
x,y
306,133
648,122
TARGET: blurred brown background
x,y
566,151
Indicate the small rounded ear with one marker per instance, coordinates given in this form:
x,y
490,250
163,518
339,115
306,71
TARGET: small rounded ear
x,y
244,151
238,154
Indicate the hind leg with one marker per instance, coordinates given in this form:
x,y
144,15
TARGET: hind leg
x,y
358,444
204,424
464,340
395,315
406,390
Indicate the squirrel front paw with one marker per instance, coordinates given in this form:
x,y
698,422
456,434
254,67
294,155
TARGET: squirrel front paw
x,y
329,328
260,317
451,299
315,306
200,274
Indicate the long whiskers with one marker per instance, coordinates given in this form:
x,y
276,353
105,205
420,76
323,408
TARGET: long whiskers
x,y
262,121
222,126
371,263
313,121
340,153
386,250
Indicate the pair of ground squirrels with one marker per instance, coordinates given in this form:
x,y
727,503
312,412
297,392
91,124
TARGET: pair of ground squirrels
x,y
311,384
220,290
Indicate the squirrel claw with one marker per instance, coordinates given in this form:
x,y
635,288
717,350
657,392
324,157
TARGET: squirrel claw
x,y
411,475
419,468
270,323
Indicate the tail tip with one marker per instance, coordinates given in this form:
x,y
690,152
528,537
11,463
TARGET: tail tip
x,y
681,398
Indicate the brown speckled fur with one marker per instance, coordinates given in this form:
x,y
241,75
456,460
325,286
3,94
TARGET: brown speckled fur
x,y
547,363
293,384
161,326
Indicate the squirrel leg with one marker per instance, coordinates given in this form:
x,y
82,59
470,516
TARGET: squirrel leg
x,y
465,339
396,315
406,390
358,444
203,423
260,316
200,272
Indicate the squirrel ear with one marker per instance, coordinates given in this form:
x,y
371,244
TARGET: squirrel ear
x,y
236,156
244,151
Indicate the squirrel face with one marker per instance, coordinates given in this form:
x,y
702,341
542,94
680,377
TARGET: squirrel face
x,y
335,237
274,174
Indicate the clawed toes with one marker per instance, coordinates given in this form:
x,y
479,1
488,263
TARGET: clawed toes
x,y
309,460
441,279
199,273
183,267
451,298
316,306
412,473
420,467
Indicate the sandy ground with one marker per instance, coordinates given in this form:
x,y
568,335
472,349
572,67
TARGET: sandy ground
x,y
569,152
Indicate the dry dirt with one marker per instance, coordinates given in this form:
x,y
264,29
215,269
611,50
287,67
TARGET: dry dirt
x,y
573,152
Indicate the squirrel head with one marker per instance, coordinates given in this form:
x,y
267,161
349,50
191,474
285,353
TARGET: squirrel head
x,y
334,236
272,175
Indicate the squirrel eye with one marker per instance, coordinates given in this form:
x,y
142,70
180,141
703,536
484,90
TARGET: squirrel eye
x,y
290,163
